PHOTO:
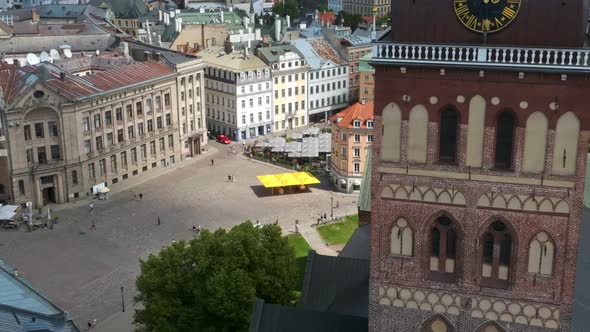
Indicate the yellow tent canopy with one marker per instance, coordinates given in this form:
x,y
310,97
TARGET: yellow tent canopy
x,y
287,179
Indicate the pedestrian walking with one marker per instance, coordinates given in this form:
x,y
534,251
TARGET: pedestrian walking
x,y
158,220
92,207
134,196
297,228
212,162
325,216
140,196
229,178
92,226
194,229
90,325
232,178
199,229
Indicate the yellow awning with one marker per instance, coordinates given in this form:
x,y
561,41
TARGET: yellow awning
x,y
287,179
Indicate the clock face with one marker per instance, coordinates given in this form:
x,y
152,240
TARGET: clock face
x,y
486,15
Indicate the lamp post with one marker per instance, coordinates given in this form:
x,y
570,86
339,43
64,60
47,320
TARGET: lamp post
x,y
331,207
122,300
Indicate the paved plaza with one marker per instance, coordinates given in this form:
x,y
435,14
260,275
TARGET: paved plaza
x,y
84,273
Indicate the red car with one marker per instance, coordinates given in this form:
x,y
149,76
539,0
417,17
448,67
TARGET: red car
x,y
223,139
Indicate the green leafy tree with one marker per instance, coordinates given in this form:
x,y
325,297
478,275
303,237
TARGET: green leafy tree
x,y
350,20
323,8
210,283
286,7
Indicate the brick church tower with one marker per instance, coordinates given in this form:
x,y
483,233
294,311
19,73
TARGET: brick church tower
x,y
478,169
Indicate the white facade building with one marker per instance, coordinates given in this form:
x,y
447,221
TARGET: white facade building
x,y
238,89
327,82
335,5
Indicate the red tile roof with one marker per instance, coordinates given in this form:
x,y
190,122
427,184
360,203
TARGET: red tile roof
x,y
327,17
12,81
358,111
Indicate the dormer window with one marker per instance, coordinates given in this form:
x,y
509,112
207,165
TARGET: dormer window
x,y
356,123
369,124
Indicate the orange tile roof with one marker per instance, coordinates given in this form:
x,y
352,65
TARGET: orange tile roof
x,y
357,111
327,17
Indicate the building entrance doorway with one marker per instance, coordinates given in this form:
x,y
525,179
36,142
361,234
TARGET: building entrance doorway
x,y
49,195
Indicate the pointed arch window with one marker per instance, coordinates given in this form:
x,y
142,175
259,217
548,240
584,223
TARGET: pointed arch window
x,y
443,250
504,141
541,253
496,247
490,327
449,119
401,238
437,323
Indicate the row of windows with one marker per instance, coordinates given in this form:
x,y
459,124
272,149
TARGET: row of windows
x,y
289,92
39,128
357,137
295,123
327,73
292,107
326,101
102,164
190,79
289,64
228,75
260,119
290,78
504,145
496,250
228,88
326,87
41,157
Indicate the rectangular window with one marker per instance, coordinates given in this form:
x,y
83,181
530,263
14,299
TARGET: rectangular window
x,y
290,92
139,108
119,114
55,153
150,125
158,103
276,109
159,122
74,177
21,187
140,129
97,122
143,152
162,144
27,130
276,94
39,132
251,118
52,127
171,141
120,136
153,148
102,167
129,110
357,152
369,138
124,159
98,141
130,132
87,146
113,163
108,118
110,139
357,167
30,156
134,155
344,151
357,138
91,171
168,119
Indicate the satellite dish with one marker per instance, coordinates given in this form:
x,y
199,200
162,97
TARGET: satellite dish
x,y
54,54
32,59
45,57
97,52
68,53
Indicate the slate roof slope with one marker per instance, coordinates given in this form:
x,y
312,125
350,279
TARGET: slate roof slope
x,y
123,8
336,284
358,245
277,318
22,308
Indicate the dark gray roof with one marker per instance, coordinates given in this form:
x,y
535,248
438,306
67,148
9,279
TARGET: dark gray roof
x,y
172,57
581,311
358,245
123,8
277,318
336,284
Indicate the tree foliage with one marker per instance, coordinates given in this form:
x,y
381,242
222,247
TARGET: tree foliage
x,y
350,20
210,283
286,7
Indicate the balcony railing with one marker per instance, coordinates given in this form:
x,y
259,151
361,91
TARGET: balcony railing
x,y
577,60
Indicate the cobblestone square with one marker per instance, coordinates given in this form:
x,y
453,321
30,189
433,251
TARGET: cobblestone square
x,y
84,273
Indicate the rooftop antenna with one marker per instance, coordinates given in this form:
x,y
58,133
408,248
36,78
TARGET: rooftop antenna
x,y
32,59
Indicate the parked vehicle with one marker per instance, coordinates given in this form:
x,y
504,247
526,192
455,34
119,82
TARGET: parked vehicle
x,y
223,139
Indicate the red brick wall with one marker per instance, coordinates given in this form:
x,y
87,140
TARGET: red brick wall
x,y
387,271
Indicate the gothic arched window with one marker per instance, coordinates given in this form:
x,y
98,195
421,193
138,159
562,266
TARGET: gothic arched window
x,y
443,249
401,238
504,140
449,119
496,249
541,252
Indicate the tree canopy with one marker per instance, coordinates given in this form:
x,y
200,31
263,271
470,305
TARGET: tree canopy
x,y
286,7
210,283
350,20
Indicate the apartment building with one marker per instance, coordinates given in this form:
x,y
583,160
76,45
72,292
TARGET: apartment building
x,y
289,72
367,78
5,184
238,89
367,7
352,137
328,78
98,122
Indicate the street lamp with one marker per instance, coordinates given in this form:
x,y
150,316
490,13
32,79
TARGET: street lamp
x,y
122,299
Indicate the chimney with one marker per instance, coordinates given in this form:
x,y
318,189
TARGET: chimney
x,y
277,29
62,76
166,19
202,10
147,55
157,56
363,101
221,13
172,13
288,21
159,15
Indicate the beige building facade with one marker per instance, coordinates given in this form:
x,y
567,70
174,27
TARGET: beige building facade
x,y
289,71
352,137
367,7
70,135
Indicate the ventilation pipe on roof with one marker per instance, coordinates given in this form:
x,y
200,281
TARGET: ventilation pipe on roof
x,y
147,55
62,76
288,21
221,14
172,13
277,28
166,19
159,15
157,56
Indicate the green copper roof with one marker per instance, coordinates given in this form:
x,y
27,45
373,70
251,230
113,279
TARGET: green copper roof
x,y
364,63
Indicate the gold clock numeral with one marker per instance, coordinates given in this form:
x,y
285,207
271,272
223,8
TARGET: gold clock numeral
x,y
462,12
471,22
498,22
508,12
517,2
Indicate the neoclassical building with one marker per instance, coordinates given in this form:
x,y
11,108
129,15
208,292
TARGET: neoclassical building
x,y
478,166
88,122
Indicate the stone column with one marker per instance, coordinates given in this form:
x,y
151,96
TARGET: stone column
x,y
38,196
59,188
